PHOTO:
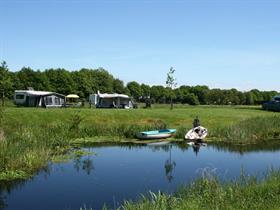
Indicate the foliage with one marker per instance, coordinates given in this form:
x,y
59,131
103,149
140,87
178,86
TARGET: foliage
x,y
5,81
135,90
87,81
255,129
171,84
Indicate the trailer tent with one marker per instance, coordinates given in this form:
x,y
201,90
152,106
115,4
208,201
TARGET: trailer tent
x,y
111,101
31,98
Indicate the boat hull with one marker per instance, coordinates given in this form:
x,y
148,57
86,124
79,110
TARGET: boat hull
x,y
197,133
158,134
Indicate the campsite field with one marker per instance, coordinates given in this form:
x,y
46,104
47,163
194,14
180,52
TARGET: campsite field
x,y
30,137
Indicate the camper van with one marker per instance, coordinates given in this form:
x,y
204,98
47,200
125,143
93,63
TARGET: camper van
x,y
32,98
273,105
115,100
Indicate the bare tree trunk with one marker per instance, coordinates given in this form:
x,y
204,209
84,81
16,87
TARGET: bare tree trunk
x,y
171,104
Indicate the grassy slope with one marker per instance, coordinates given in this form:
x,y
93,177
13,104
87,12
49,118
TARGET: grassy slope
x,y
211,117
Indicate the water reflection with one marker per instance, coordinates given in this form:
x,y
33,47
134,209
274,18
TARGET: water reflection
x,y
196,146
169,166
2,203
85,164
6,189
265,146
136,169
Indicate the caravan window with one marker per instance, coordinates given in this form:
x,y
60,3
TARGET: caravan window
x,y
49,100
20,96
56,100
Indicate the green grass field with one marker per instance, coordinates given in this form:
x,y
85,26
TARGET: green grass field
x,y
30,137
210,116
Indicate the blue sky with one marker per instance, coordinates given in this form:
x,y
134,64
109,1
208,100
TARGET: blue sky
x,y
223,44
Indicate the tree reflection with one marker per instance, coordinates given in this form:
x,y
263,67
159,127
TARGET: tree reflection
x,y
5,189
84,164
2,201
169,166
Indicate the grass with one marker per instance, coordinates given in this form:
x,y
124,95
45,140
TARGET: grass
x,y
209,193
30,137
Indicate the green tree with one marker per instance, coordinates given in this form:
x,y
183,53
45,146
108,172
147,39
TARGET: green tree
x,y
157,93
103,80
61,81
190,99
249,98
134,89
171,83
5,81
118,86
146,91
200,92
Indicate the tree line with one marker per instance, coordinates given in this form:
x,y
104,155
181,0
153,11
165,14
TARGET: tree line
x,y
87,81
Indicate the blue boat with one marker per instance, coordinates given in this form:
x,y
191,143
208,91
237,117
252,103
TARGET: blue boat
x,y
156,134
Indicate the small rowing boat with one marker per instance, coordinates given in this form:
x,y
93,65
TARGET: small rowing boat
x,y
156,134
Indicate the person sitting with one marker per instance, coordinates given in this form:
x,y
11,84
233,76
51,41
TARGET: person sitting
x,y
196,122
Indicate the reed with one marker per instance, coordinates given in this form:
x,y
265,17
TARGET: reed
x,y
251,130
209,193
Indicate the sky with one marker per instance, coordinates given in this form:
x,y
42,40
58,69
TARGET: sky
x,y
222,44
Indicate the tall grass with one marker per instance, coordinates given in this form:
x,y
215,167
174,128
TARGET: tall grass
x,y
250,130
210,193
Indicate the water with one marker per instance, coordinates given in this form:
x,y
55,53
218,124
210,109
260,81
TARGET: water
x,y
116,173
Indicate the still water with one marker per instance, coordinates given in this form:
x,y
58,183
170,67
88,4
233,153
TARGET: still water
x,y
115,173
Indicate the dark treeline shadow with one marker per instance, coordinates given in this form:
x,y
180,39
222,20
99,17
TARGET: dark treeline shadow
x,y
264,146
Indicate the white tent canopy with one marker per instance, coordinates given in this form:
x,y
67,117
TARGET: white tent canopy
x,y
72,96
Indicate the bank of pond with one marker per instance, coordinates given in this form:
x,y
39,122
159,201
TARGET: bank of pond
x,y
40,148
147,176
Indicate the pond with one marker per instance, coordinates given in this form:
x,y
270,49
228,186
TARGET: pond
x,y
118,172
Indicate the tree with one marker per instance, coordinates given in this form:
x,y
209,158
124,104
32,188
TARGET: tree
x,y
61,81
5,81
190,99
200,92
104,80
146,91
134,89
157,93
171,83
118,86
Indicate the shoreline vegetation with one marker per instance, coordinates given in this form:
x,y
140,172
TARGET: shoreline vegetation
x,y
31,137
208,192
